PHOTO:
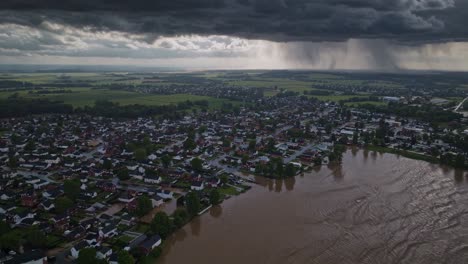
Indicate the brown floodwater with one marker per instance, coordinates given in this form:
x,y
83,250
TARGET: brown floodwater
x,y
374,208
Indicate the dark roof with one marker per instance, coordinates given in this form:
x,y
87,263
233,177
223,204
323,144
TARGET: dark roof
x,y
197,184
157,197
150,242
80,245
26,257
108,228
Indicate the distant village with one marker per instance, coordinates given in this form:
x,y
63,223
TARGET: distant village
x,y
72,183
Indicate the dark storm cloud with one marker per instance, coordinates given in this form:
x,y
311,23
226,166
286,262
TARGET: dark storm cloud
x,y
279,20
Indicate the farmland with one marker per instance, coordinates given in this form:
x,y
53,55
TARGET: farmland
x,y
81,89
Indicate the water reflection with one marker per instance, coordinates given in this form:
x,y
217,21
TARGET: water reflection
x,y
195,226
270,185
278,185
354,151
337,171
458,175
181,235
216,211
365,155
289,183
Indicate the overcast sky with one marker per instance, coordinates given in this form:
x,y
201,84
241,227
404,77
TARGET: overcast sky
x,y
238,34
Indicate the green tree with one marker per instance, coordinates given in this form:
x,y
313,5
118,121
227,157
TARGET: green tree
x,y
161,224
252,145
36,238
189,144
244,159
197,164
215,197
224,179
144,205
124,257
10,241
15,139
122,173
166,161
460,161
355,138
180,217
140,154
72,189
12,162
290,170
87,256
62,204
107,164
30,146
4,227
192,201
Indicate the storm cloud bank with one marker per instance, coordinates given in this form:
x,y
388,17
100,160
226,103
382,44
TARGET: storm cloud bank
x,y
324,34
276,20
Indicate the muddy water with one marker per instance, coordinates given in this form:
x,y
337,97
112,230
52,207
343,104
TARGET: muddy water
x,y
374,208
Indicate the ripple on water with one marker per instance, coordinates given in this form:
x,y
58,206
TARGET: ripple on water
x,y
389,210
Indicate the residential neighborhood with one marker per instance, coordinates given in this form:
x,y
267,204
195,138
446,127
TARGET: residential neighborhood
x,y
74,182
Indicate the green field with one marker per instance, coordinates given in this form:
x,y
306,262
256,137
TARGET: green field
x,y
335,98
81,97
357,104
132,88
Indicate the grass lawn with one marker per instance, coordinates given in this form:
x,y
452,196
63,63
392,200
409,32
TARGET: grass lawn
x,y
53,241
141,228
228,190
335,98
357,104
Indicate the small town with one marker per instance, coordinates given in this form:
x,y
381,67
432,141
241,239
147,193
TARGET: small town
x,y
78,186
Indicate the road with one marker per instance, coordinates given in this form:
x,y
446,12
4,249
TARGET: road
x,y
460,105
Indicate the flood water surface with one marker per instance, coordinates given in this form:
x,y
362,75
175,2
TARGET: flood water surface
x,y
374,208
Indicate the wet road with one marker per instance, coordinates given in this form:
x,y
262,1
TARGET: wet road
x,y
374,208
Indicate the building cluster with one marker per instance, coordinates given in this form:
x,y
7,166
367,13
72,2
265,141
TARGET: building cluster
x,y
114,162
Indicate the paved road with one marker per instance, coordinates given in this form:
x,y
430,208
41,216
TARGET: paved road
x,y
460,105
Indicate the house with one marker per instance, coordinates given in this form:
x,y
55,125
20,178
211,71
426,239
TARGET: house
x,y
156,201
197,186
149,244
47,205
61,221
30,257
153,179
89,194
76,233
5,196
19,218
135,242
75,250
165,194
88,223
114,259
52,194
29,200
108,231
92,239
103,253
106,186
126,198
127,219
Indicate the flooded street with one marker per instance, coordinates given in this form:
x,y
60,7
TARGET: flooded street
x,y
374,208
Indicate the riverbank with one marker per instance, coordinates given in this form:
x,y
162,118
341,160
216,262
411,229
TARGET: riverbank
x,y
404,153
